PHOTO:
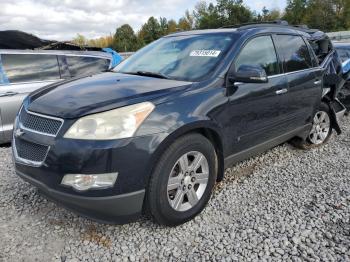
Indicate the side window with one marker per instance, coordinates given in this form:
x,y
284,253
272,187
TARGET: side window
x,y
294,53
81,65
21,68
259,51
3,78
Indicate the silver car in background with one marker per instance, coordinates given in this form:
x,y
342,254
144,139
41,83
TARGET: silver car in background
x,y
22,72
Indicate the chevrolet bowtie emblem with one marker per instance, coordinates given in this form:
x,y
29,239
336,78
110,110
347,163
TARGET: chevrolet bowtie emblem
x,y
19,132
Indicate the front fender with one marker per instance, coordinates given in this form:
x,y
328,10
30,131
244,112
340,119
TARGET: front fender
x,y
195,108
198,111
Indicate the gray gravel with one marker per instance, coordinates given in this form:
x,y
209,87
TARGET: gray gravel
x,y
286,204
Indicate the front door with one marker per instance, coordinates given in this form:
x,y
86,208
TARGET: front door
x,y
256,109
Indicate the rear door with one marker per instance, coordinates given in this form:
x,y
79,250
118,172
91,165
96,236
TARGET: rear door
x,y
303,76
24,73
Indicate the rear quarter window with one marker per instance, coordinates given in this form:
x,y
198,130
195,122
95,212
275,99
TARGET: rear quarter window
x,y
82,65
295,54
20,68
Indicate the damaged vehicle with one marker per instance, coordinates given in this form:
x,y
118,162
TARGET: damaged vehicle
x,y
156,133
334,76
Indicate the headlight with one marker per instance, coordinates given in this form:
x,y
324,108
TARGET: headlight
x,y
115,124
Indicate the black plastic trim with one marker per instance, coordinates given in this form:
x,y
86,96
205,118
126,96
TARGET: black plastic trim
x,y
233,159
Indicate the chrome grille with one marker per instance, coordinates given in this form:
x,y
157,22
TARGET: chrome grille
x,y
29,151
38,123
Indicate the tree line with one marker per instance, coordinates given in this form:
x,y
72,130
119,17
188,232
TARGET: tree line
x,y
326,15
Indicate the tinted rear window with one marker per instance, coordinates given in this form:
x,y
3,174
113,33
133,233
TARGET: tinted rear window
x,y
295,53
21,68
79,65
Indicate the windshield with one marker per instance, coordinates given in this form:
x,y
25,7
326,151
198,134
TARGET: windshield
x,y
187,58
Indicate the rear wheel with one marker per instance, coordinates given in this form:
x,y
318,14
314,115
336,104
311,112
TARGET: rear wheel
x,y
182,181
321,130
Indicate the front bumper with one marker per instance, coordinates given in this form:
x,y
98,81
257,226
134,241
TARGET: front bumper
x,y
131,158
112,209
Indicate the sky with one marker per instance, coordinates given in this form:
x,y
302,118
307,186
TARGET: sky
x,y
63,19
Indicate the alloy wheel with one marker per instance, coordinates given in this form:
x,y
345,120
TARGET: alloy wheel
x,y
320,128
187,181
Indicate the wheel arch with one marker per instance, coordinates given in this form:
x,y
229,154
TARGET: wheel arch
x,y
205,128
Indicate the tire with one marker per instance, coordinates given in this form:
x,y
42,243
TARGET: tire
x,y
167,200
320,132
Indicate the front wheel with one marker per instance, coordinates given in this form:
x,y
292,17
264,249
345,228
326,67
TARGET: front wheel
x,y
182,181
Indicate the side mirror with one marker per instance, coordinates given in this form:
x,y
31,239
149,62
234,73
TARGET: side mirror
x,y
249,74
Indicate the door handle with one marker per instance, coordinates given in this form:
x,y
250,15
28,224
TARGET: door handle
x,y
318,82
8,94
281,91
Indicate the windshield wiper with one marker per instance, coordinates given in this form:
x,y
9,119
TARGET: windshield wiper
x,y
146,73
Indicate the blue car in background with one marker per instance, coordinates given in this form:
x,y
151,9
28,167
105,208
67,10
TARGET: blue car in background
x,y
343,50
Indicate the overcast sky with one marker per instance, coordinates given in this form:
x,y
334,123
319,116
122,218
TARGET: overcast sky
x,y
63,19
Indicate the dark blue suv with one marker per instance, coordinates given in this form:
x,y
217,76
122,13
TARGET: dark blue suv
x,y
156,133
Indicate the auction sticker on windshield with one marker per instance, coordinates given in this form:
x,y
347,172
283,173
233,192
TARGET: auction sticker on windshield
x,y
210,53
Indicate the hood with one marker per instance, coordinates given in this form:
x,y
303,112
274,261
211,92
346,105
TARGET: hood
x,y
99,93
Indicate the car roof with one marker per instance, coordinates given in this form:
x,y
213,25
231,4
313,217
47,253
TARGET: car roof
x,y
58,52
254,28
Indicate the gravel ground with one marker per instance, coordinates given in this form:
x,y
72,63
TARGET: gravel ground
x,y
286,204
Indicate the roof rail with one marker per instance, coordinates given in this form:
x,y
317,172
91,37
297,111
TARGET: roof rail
x,y
269,23
301,26
276,22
